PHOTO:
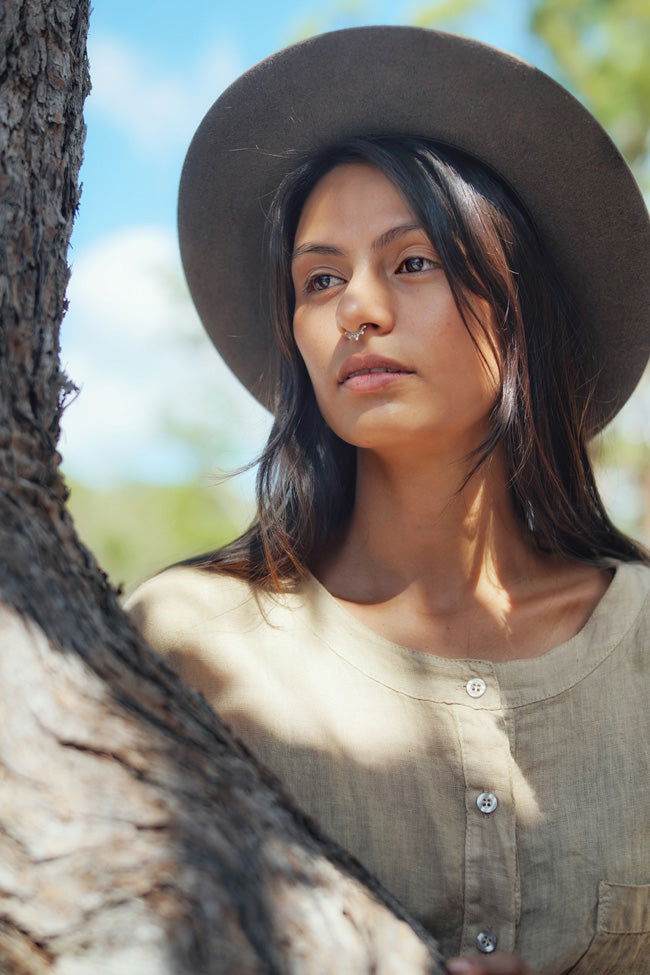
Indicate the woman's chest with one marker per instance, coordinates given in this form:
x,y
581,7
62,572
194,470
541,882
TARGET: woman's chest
x,y
485,820
490,625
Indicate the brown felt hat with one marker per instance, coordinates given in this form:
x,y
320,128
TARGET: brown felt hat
x,y
410,81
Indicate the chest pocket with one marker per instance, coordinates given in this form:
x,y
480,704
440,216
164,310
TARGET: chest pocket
x,y
622,941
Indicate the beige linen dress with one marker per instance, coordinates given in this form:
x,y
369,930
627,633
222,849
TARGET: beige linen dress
x,y
505,802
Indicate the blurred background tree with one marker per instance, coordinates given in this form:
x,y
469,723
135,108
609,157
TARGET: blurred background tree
x,y
599,49
135,529
602,52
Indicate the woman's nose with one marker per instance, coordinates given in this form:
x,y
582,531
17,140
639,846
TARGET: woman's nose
x,y
365,303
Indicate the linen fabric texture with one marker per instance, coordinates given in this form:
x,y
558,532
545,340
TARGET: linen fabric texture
x,y
387,748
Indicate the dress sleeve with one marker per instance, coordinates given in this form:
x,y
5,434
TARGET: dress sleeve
x,y
197,620
158,609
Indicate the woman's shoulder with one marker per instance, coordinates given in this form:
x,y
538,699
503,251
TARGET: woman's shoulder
x,y
632,589
185,598
621,621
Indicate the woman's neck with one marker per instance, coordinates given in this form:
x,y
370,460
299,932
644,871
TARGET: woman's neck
x,y
411,526
453,572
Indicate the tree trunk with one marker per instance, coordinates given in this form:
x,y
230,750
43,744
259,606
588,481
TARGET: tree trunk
x,y
136,834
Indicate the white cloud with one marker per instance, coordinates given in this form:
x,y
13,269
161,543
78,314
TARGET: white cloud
x,y
133,343
154,109
134,272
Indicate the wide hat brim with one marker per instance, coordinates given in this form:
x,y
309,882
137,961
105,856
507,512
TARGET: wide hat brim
x,y
405,80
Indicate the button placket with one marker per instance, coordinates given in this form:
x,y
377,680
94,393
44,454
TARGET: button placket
x,y
491,879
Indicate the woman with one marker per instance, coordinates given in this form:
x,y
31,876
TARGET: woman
x,y
432,632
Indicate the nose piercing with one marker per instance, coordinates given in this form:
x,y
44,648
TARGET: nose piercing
x,y
354,336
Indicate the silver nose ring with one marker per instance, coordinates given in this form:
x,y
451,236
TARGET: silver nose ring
x,y
354,336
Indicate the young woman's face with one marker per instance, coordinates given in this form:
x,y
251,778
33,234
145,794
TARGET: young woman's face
x,y
414,377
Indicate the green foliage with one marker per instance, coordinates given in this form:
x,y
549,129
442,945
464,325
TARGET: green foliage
x,y
602,50
136,529
443,13
622,466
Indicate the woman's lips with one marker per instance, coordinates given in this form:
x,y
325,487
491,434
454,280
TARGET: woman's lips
x,y
368,372
374,379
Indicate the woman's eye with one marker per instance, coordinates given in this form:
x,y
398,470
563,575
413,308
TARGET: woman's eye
x,y
414,264
321,282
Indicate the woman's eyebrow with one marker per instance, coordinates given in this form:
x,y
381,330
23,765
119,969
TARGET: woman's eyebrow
x,y
383,240
389,236
313,248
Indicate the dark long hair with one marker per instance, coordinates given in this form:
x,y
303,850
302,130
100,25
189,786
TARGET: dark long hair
x,y
488,248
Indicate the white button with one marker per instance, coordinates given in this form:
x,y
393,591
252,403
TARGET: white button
x,y
486,941
476,687
487,802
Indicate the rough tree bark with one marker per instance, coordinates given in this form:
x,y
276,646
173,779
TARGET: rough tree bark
x,y
136,834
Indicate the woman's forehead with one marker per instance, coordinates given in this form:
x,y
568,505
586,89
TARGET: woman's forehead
x,y
350,197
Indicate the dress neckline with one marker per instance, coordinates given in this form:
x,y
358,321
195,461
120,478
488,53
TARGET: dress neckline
x,y
527,679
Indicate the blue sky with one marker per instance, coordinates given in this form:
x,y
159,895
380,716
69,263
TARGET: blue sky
x,y
155,401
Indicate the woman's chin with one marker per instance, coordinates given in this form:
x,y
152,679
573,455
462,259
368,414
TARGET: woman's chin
x,y
396,435
389,438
